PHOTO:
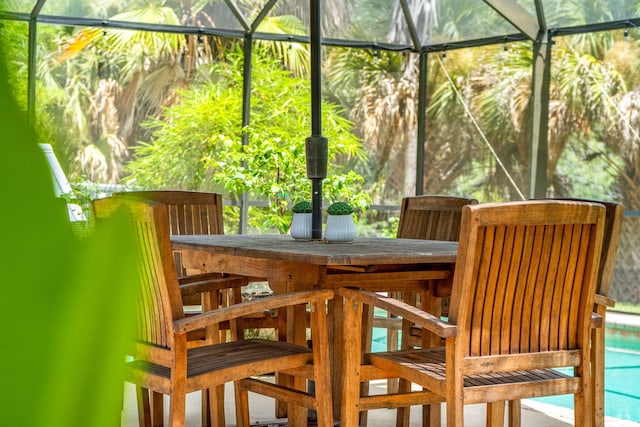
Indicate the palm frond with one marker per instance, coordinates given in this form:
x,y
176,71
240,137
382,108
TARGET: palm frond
x,y
76,44
294,56
91,163
143,44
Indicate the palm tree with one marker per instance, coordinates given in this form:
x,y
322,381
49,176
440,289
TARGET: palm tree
x,y
384,107
385,103
624,139
127,76
135,75
499,97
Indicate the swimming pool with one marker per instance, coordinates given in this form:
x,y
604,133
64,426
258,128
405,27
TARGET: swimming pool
x,y
621,379
622,375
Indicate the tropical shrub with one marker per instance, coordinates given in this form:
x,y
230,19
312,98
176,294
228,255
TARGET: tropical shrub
x,y
199,144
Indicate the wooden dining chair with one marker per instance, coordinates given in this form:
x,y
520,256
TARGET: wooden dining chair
x,y
612,230
162,360
521,306
433,217
190,213
427,217
614,215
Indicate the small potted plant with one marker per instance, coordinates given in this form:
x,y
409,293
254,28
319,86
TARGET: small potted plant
x,y
340,225
301,222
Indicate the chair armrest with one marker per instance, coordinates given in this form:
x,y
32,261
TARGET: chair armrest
x,y
604,301
597,321
212,284
236,311
413,314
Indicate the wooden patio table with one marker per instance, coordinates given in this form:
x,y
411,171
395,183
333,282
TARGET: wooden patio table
x,y
376,264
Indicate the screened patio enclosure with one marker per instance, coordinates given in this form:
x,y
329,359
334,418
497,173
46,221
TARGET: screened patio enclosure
x,y
419,28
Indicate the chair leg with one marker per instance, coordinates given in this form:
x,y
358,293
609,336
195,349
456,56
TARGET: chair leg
x,y
393,384
367,338
352,324
582,400
297,414
242,406
431,303
597,375
214,407
579,414
363,417
157,409
454,388
281,406
322,376
403,412
495,414
177,409
205,408
431,415
515,413
144,409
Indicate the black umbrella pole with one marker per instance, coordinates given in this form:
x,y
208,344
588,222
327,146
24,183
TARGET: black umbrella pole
x,y
316,214
316,150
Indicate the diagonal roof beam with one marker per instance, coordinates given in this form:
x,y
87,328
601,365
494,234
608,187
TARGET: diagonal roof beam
x,y
517,16
263,14
413,32
239,16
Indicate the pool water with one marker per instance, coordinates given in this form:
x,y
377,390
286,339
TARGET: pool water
x,y
622,376
621,380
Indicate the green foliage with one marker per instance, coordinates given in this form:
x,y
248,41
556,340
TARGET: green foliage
x,y
372,224
304,206
205,128
592,169
340,208
14,41
294,56
626,307
67,309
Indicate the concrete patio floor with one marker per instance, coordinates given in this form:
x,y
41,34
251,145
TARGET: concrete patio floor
x,y
534,414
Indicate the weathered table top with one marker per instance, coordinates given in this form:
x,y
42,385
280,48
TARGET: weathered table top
x,y
362,251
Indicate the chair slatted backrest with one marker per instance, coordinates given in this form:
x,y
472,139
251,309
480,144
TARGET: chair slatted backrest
x,y
526,276
159,302
189,212
612,229
431,217
614,215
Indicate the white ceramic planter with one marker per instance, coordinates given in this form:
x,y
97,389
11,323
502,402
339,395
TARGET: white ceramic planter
x,y
340,228
301,226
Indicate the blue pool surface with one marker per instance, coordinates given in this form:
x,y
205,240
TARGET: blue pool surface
x,y
622,376
621,380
